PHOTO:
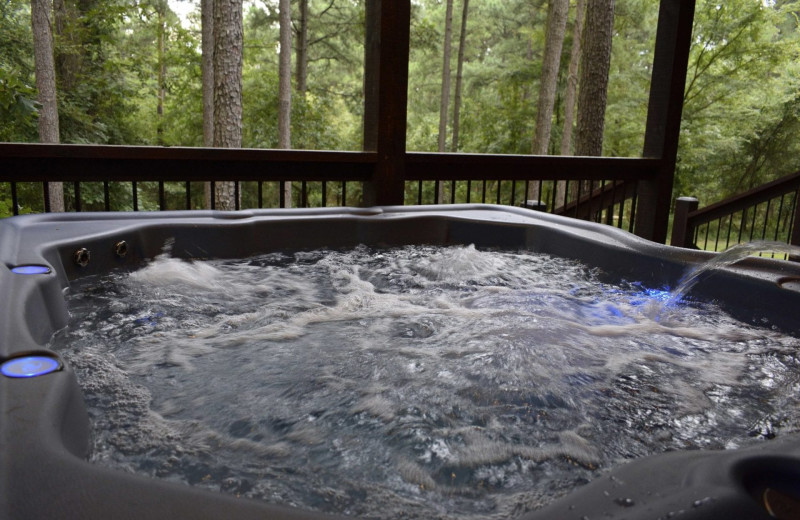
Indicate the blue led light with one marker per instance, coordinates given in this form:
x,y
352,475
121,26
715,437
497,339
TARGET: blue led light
x,y
30,366
30,269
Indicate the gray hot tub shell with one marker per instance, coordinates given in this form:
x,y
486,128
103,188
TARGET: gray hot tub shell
x,y
44,430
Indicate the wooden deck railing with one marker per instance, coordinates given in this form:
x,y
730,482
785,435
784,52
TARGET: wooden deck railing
x,y
386,173
768,212
127,178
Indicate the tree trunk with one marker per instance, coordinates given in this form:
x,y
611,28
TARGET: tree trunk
x,y
570,96
46,85
593,83
285,87
207,66
161,10
557,11
556,26
444,104
301,66
445,99
462,40
228,41
572,79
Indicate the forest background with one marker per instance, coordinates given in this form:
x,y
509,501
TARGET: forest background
x,y
129,72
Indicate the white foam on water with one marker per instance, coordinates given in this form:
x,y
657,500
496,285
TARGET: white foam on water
x,y
443,382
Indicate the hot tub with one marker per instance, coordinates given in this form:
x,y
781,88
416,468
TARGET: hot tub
x,y
44,432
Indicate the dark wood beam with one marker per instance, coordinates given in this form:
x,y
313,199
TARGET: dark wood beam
x,y
445,166
665,107
387,35
54,162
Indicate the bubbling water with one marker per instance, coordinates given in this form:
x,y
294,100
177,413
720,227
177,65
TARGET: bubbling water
x,y
425,381
728,257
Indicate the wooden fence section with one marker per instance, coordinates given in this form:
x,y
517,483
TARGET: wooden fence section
x,y
768,212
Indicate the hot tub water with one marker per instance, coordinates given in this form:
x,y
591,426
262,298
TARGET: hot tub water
x,y
417,381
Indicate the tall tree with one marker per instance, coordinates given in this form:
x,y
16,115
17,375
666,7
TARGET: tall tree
x,y
228,44
46,85
207,43
445,97
554,40
462,42
557,12
161,65
301,65
285,86
207,71
570,96
444,101
593,83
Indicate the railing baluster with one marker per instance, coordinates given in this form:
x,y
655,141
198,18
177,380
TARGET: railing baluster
x,y
162,201
794,225
14,200
728,233
46,192
753,222
766,218
634,206
778,219
742,225
77,186
106,197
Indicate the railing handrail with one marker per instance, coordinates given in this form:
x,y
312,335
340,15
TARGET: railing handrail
x,y
78,163
82,162
744,200
687,217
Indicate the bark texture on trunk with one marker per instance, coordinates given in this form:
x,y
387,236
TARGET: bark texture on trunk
x,y
207,69
228,42
285,87
556,27
593,83
46,85
462,41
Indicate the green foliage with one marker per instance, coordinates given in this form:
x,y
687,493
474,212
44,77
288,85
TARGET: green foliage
x,y
741,102
18,106
741,115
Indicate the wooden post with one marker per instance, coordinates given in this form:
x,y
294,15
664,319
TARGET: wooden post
x,y
681,234
667,84
385,97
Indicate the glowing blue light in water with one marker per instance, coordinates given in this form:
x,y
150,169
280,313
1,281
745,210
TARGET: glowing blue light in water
x,y
30,269
30,366
649,295
645,295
